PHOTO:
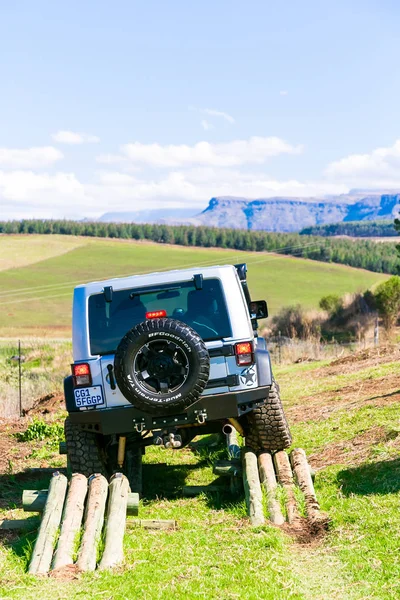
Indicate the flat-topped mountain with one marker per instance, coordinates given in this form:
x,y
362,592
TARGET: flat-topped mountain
x,y
275,214
292,214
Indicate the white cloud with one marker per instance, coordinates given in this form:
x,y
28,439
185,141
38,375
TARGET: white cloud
x,y
26,194
31,186
206,125
256,150
29,158
74,138
218,113
380,168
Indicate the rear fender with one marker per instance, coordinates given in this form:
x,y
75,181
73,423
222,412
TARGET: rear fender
x,y
69,394
263,362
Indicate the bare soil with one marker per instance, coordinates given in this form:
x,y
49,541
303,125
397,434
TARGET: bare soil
x,y
372,392
15,455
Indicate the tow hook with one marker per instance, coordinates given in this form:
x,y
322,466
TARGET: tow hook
x,y
139,427
201,417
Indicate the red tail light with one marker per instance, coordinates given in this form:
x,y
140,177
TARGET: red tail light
x,y
81,374
244,354
156,314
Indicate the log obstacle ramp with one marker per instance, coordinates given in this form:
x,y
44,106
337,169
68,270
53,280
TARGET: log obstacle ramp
x,y
273,485
83,512
77,514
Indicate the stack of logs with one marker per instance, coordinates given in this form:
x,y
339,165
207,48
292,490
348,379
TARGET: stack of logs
x,y
66,506
270,473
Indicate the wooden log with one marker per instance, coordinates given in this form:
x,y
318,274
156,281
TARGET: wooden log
x,y
196,490
115,522
303,475
94,517
227,468
35,500
44,545
268,481
19,524
285,477
151,523
252,487
71,522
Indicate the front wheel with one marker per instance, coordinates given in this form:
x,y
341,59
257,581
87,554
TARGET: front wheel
x,y
266,427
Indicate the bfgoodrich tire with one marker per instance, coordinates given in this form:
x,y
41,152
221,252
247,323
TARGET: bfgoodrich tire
x,y
266,427
162,366
84,452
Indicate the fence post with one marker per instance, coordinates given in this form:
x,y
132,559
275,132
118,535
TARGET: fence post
x,y
376,332
279,348
19,378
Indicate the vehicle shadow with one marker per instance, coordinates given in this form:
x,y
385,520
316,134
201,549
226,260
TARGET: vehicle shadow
x,y
11,488
381,477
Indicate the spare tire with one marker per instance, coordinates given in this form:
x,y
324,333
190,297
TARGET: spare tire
x,y
162,366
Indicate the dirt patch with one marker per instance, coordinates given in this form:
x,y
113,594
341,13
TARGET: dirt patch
x,y
67,573
381,391
308,531
358,361
45,405
354,451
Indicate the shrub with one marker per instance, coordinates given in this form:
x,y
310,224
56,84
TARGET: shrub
x,y
40,430
387,298
295,322
331,303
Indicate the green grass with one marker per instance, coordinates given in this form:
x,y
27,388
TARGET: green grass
x,y
39,295
14,249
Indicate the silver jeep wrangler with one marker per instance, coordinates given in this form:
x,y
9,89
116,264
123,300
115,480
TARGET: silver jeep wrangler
x,y
163,357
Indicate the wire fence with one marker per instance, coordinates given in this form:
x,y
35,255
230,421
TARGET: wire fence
x,y
289,351
30,370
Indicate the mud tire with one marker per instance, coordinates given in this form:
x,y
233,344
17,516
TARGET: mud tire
x,y
84,453
266,427
186,342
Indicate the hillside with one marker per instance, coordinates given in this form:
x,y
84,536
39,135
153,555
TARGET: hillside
x,y
358,229
39,295
345,414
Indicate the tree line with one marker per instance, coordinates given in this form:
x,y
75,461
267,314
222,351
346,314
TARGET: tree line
x,y
365,254
354,229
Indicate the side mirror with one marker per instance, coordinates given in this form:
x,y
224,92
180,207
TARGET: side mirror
x,y
258,309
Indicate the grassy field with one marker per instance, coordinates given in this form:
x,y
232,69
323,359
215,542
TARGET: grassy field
x,y
36,296
345,414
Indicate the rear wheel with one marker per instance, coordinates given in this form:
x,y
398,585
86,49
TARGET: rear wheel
x,y
266,427
84,451
89,453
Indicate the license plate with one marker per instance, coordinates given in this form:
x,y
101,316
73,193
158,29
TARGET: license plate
x,y
91,396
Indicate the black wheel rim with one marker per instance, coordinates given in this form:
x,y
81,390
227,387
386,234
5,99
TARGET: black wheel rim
x,y
161,367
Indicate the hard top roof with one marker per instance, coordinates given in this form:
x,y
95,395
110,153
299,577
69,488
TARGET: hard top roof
x,y
156,277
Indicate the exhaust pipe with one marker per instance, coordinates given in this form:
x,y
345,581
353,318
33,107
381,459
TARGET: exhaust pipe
x,y
227,429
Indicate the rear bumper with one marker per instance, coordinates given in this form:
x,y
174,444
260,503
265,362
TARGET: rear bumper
x,y
208,408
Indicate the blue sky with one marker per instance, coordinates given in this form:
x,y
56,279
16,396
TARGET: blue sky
x,y
136,105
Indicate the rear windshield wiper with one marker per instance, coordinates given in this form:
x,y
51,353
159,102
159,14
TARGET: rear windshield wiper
x,y
143,291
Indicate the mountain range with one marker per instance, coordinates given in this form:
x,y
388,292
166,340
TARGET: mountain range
x,y
275,214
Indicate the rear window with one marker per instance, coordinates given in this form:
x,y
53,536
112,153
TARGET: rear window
x,y
204,310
